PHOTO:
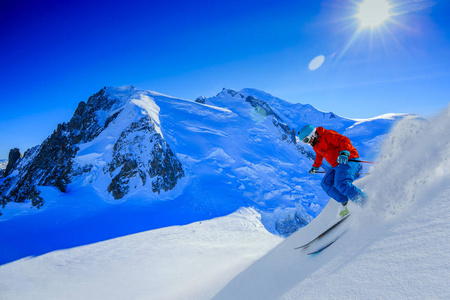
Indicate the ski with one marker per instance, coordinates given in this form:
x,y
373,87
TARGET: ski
x,y
325,247
324,233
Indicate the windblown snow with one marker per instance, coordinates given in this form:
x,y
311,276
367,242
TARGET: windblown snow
x,y
396,247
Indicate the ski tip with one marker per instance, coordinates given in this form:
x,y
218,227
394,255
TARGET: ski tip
x,y
301,247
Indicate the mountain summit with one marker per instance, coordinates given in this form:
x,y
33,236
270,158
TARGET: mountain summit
x,y
123,125
206,157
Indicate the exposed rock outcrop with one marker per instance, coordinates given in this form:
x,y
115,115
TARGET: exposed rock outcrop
x,y
13,159
201,100
139,152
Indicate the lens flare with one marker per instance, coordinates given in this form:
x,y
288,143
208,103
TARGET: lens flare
x,y
316,62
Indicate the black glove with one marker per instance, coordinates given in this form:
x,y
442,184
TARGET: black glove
x,y
313,170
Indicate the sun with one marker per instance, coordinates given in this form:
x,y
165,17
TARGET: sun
x,y
373,13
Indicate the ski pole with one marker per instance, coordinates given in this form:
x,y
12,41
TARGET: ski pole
x,y
355,173
362,161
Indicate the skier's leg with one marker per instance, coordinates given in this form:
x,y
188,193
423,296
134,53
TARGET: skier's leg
x,y
343,181
328,186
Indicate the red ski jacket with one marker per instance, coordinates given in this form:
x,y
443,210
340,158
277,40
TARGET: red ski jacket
x,y
329,145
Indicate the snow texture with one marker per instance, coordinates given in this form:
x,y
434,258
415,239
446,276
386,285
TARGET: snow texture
x,y
395,247
189,262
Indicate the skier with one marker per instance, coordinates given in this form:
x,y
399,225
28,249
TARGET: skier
x,y
342,156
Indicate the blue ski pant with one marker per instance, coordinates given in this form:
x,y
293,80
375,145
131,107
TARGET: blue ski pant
x,y
338,183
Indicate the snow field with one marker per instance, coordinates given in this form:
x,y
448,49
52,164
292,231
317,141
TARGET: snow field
x,y
181,262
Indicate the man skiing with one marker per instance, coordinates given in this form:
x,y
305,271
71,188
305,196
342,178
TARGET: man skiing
x,y
344,159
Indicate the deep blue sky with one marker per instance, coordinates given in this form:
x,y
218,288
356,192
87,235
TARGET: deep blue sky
x,y
54,54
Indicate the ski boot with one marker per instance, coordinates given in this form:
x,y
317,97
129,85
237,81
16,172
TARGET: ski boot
x,y
344,211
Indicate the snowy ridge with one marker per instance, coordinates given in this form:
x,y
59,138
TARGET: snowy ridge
x,y
125,146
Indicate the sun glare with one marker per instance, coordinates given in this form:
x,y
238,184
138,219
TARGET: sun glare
x,y
372,13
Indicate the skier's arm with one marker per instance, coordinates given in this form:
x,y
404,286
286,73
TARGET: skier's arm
x,y
316,165
318,161
344,144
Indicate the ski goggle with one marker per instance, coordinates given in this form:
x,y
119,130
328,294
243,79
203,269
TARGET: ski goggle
x,y
308,138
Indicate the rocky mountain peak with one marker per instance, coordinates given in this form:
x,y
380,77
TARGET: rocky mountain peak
x,y
201,99
154,160
139,151
13,158
228,92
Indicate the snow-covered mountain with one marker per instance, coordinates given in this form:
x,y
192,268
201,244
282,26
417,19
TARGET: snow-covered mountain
x,y
395,247
109,136
162,161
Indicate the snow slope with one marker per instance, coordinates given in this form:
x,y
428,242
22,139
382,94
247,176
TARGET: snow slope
x,y
396,247
181,262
